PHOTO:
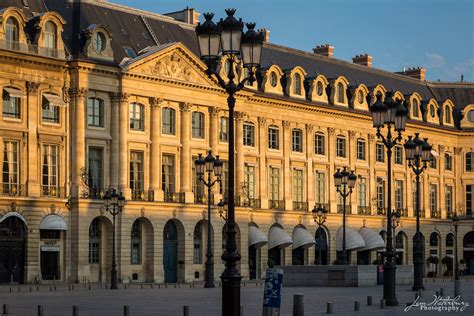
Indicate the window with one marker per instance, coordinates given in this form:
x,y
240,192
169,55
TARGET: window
x,y
11,167
433,162
137,116
197,253
362,192
273,79
12,30
448,162
341,147
168,125
415,196
198,125
297,84
50,111
273,139
95,163
319,88
99,42
319,144
433,199
224,178
448,200
129,51
320,187
274,184
360,149
50,35
95,112
447,114
167,173
298,185
470,116
469,198
136,170
379,152
50,170
380,193
432,110
297,140
249,182
94,241
198,185
50,234
415,108
469,160
398,194
224,129
249,134
11,103
136,234
398,155
434,240
340,93
360,96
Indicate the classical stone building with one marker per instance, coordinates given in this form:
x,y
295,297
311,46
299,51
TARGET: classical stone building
x,y
98,96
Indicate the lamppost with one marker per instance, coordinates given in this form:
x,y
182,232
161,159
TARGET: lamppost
x,y
346,179
113,203
393,114
208,165
395,223
226,39
457,282
417,153
319,216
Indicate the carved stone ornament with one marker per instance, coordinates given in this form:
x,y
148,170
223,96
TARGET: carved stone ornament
x,y
352,134
185,107
213,110
286,124
52,209
32,87
239,116
174,66
155,102
262,121
142,212
331,130
78,92
175,213
457,150
119,96
310,128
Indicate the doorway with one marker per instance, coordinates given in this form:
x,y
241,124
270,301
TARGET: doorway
x,y
50,265
12,250
170,252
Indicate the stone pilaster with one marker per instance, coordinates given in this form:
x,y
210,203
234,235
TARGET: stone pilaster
x,y
310,172
114,133
441,189
372,181
287,166
263,178
331,149
352,159
33,167
239,151
185,162
78,96
123,126
214,129
155,156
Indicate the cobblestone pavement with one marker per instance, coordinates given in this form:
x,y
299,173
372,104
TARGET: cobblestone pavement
x,y
203,302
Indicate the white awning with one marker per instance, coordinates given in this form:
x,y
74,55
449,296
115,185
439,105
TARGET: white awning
x,y
278,238
15,214
354,240
372,239
54,99
302,238
53,222
256,237
14,93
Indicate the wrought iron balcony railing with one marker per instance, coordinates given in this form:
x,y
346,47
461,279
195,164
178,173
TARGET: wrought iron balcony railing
x,y
403,212
363,210
8,189
276,205
143,195
202,199
53,191
247,202
93,193
381,211
435,214
174,197
300,206
32,49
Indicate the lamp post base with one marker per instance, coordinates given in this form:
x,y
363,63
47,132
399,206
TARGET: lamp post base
x,y
113,280
389,292
457,288
231,294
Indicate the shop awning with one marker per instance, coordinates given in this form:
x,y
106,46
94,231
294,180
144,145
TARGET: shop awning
x,y
256,237
53,222
302,238
14,93
278,238
15,214
354,240
54,99
372,239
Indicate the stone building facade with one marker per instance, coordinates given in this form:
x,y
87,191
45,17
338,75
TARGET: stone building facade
x,y
99,96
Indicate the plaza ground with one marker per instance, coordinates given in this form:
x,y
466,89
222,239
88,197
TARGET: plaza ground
x,y
206,302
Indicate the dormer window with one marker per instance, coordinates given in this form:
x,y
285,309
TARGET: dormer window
x,y
360,96
297,84
50,35
340,92
447,114
99,42
415,108
470,116
319,88
432,110
12,33
273,79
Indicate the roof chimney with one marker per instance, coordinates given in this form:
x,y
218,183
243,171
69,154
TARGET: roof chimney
x,y
188,15
266,34
417,73
364,60
324,50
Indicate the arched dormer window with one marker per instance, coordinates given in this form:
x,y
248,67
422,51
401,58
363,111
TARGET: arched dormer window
x,y
447,108
12,30
340,92
273,79
50,31
431,113
359,98
415,108
297,84
447,114
319,89
467,113
294,82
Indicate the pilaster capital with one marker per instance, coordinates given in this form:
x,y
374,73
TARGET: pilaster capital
x,y
331,131
457,150
213,111
185,106
119,96
78,92
262,121
239,116
285,124
352,135
371,137
155,103
441,148
310,128
32,87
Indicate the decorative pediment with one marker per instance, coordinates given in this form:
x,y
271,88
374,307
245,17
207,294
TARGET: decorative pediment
x,y
171,62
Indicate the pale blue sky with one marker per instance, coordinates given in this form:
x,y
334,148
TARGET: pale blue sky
x,y
436,34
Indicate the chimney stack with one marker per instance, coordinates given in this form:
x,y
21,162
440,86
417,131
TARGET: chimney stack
x,y
266,34
188,15
417,73
364,60
324,50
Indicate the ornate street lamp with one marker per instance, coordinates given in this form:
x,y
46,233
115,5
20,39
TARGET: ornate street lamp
x,y
113,204
227,40
392,114
457,282
209,165
319,216
418,154
346,179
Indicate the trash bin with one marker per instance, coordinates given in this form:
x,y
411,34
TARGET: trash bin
x,y
272,294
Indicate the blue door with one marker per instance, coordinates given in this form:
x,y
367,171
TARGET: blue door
x,y
170,252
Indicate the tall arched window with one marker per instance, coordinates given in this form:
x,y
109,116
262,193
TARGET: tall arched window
x,y
12,33
297,84
450,240
319,88
447,114
135,246
340,92
50,35
433,240
197,244
415,108
94,241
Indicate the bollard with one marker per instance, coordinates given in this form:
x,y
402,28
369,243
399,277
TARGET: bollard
x,y
50,288
106,286
241,311
142,286
382,304
298,305
419,293
19,289
5,309
72,287
89,287
369,300
437,293
75,311
152,285
30,288
329,308
10,290
441,291
185,310
40,310
37,288
356,306
126,310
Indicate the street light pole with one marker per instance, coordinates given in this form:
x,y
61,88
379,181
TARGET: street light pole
x,y
319,216
113,204
346,179
227,40
208,165
393,114
417,153
395,223
457,281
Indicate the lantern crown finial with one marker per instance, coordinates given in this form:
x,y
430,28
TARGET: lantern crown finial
x,y
230,11
208,16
